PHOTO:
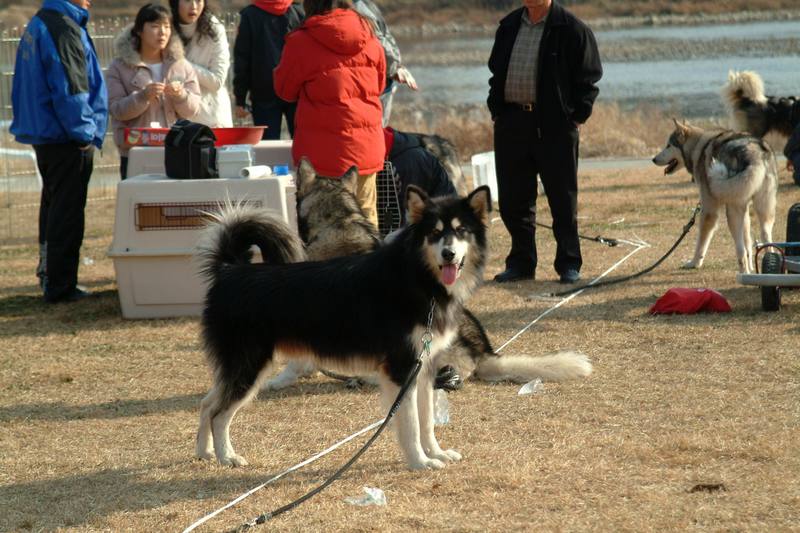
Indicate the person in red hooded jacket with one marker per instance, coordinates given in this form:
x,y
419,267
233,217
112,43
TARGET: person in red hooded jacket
x,y
334,67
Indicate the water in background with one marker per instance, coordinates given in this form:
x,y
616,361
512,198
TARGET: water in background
x,y
689,86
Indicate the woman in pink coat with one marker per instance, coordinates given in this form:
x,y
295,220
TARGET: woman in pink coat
x,y
149,80
334,67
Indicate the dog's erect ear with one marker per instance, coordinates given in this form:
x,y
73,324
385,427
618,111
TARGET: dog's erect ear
x,y
350,178
480,200
682,129
415,203
305,174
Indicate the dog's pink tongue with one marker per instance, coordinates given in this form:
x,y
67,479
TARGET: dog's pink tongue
x,y
449,274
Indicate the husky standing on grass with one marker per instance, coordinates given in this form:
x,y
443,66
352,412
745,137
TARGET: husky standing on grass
x,y
732,170
332,225
364,314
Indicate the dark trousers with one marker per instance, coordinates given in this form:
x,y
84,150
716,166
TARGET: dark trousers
x,y
65,171
270,114
523,149
123,167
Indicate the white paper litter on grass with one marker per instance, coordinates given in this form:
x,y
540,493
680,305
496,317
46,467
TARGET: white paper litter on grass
x,y
531,387
373,496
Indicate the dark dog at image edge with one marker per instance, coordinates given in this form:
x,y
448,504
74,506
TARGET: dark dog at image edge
x,y
332,224
359,314
756,113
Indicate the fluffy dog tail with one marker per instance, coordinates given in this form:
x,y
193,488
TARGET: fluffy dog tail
x,y
744,90
561,366
236,228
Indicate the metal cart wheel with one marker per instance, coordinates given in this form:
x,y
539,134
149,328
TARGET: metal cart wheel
x,y
771,263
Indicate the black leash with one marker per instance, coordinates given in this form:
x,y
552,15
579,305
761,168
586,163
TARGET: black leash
x,y
608,241
426,342
686,229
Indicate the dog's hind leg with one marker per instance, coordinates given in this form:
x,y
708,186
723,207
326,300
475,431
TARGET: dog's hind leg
x,y
407,423
426,420
764,206
708,224
748,239
233,389
204,447
736,215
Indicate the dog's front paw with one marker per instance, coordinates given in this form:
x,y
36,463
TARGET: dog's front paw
x,y
426,464
233,460
452,455
448,456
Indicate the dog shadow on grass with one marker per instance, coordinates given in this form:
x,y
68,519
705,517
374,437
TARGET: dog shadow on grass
x,y
88,498
27,315
128,408
122,408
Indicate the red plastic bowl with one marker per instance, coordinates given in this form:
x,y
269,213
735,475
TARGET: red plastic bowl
x,y
243,135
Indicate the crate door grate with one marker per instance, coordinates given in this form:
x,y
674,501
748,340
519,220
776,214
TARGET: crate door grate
x,y
160,216
389,215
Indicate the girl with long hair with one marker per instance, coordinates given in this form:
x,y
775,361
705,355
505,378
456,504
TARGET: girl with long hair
x,y
206,44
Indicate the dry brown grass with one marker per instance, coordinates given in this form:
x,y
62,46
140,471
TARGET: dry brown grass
x,y
98,414
610,132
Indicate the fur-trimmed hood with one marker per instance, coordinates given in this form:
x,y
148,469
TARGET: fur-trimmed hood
x,y
125,52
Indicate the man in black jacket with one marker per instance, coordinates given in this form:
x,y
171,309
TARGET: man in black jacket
x,y
256,52
545,66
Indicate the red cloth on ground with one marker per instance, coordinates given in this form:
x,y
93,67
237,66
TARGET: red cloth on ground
x,y
688,301
275,7
334,68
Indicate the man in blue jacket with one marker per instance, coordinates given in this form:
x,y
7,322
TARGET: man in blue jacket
x,y
61,108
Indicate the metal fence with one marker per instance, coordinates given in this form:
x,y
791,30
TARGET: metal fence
x,y
20,185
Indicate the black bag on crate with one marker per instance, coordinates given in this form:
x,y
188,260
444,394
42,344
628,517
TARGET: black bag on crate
x,y
189,151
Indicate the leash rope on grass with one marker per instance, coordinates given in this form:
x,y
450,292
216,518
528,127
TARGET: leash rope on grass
x,y
614,281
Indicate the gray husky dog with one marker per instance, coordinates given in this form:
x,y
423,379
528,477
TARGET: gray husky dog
x,y
332,224
732,170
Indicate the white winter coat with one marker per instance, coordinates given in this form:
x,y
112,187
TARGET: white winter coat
x,y
211,60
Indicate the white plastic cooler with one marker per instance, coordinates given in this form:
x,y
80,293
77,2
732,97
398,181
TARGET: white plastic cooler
x,y
157,225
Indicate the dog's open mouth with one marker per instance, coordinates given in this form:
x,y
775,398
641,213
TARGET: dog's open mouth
x,y
450,272
671,166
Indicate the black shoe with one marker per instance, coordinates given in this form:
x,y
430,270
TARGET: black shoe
x,y
69,296
510,274
570,275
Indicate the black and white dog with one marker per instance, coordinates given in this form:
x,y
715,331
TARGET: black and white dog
x,y
358,314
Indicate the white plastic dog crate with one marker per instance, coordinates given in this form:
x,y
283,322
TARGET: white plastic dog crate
x,y
150,159
157,226
483,173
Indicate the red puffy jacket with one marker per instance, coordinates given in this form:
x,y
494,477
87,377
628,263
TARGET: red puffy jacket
x,y
335,69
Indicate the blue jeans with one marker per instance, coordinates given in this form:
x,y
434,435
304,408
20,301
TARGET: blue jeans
x,y
269,114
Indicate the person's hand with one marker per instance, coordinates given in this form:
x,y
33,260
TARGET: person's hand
x,y
153,91
241,112
174,90
404,76
789,165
